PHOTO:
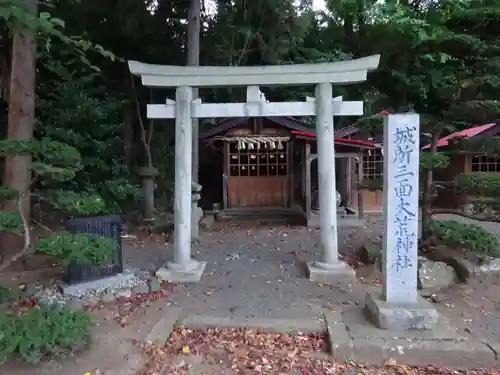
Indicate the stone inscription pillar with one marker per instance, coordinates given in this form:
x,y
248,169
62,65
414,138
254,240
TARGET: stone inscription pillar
x,y
399,306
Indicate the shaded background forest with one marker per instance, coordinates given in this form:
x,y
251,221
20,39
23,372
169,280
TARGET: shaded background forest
x,y
439,58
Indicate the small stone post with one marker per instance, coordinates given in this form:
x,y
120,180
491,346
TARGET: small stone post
x,y
148,175
329,269
399,306
183,268
196,212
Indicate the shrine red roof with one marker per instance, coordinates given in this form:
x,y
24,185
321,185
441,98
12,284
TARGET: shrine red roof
x,y
470,132
339,140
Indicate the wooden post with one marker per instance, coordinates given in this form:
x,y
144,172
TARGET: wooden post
x,y
361,208
308,180
225,176
291,171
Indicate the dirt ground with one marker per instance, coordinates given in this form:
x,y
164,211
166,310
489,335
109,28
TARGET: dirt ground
x,y
111,352
253,271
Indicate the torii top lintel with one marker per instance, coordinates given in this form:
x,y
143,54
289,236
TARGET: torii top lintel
x,y
341,72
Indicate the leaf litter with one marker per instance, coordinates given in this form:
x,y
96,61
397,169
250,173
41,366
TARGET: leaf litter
x,y
246,351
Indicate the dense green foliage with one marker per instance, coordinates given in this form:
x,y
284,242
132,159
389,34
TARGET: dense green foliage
x,y
78,248
482,184
468,237
54,166
442,61
43,332
433,161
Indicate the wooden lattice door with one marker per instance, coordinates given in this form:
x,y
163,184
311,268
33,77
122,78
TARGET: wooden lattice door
x,y
258,177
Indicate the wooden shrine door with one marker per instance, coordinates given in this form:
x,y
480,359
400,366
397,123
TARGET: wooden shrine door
x,y
258,177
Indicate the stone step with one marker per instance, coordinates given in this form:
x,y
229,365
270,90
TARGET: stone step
x,y
270,215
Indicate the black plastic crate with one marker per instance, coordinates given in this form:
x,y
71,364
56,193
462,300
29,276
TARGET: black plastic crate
x,y
102,226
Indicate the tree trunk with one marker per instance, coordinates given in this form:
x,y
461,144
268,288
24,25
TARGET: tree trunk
x,y
193,58
128,135
428,180
21,119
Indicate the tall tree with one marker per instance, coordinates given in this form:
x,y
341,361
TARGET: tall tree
x,y
21,119
193,58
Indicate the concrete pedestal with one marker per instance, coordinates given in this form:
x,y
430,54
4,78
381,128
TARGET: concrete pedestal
x,y
400,316
331,274
178,274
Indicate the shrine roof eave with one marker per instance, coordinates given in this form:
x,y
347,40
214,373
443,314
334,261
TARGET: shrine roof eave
x,y
340,141
341,72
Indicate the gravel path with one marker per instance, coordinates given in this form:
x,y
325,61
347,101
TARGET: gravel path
x,y
256,271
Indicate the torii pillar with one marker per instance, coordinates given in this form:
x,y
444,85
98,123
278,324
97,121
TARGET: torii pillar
x,y
328,269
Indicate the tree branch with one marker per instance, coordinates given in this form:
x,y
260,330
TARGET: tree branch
x,y
141,124
27,238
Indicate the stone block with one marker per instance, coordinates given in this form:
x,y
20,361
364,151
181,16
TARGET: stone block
x,y
81,289
421,315
338,273
439,353
179,276
207,222
435,275
292,326
124,294
340,342
154,285
140,289
160,333
108,298
370,252
360,327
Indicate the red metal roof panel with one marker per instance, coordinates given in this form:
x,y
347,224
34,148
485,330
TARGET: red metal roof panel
x,y
470,132
340,140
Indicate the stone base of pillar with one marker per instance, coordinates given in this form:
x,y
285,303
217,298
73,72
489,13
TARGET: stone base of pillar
x,y
182,274
421,315
331,274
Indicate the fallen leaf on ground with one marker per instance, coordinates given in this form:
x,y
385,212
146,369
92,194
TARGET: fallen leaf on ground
x,y
254,352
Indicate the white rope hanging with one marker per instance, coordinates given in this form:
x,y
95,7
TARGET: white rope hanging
x,y
255,143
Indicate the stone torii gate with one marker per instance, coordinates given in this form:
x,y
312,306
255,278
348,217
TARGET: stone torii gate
x,y
185,269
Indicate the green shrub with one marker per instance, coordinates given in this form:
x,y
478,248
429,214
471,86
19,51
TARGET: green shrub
x,y
470,237
484,184
432,161
11,222
6,294
78,248
42,333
